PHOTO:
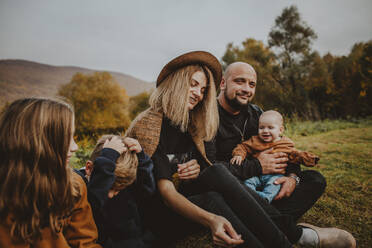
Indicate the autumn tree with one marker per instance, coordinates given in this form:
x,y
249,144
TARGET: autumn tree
x,y
100,104
291,40
138,103
318,85
353,81
296,80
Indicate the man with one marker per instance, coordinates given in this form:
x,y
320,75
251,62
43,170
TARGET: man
x,y
299,189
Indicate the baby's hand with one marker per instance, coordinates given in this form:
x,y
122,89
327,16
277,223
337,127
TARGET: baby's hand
x,y
116,144
133,144
236,160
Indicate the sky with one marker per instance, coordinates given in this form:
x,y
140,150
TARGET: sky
x,y
139,37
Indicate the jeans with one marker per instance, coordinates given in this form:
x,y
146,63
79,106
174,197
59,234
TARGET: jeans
x,y
264,185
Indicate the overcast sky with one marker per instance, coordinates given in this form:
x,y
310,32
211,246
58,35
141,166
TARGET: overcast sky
x,y
139,37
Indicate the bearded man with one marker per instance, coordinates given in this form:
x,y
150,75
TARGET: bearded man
x,y
299,189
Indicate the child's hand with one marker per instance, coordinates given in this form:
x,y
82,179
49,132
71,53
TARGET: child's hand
x,y
116,144
236,160
133,144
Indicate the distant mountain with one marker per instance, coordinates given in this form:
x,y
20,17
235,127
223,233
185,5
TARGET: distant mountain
x,y
21,78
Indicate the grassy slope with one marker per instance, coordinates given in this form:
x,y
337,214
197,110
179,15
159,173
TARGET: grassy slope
x,y
346,162
345,149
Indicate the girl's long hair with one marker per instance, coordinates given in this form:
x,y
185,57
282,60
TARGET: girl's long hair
x,y
171,98
36,188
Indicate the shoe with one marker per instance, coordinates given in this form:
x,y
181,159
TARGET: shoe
x,y
332,237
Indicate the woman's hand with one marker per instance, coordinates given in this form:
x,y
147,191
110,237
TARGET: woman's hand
x,y
188,170
223,233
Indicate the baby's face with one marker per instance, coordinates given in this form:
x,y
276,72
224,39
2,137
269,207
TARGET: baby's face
x,y
269,129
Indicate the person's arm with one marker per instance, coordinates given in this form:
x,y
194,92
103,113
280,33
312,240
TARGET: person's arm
x,y
241,150
81,230
102,178
222,231
210,150
250,167
145,182
288,185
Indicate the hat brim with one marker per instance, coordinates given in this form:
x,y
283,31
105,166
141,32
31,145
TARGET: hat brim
x,y
192,58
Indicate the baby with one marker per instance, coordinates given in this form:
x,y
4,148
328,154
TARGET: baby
x,y
270,130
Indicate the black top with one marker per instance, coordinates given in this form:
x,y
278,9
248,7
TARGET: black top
x,y
232,127
174,147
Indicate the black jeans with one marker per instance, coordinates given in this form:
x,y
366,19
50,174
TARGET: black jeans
x,y
221,193
311,187
268,225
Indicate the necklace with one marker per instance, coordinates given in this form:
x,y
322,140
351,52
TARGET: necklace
x,y
241,132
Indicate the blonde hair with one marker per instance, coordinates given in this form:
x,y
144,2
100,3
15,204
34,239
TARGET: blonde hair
x,y
171,98
36,186
275,114
126,164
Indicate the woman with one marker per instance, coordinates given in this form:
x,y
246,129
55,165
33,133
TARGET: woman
x,y
43,203
183,114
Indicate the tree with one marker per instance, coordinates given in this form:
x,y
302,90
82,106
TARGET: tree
x,y
318,84
353,81
100,104
138,103
291,39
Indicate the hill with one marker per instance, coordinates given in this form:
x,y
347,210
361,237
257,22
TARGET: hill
x,y
21,78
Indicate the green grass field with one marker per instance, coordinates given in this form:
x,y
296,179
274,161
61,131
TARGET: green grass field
x,y
345,149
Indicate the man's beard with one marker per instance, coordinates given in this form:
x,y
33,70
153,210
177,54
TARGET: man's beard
x,y
234,103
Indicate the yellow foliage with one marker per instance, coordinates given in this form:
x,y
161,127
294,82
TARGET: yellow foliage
x,y
100,103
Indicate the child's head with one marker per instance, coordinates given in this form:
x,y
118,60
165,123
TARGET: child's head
x,y
270,126
126,166
36,140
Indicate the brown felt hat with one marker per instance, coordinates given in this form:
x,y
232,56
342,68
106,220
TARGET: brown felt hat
x,y
192,58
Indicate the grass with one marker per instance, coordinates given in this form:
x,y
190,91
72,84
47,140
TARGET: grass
x,y
346,162
295,128
345,149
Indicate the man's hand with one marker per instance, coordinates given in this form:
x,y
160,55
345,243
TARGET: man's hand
x,y
273,163
132,144
288,186
116,144
188,170
223,233
236,160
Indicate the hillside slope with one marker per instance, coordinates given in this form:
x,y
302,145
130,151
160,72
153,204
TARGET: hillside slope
x,y
21,78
